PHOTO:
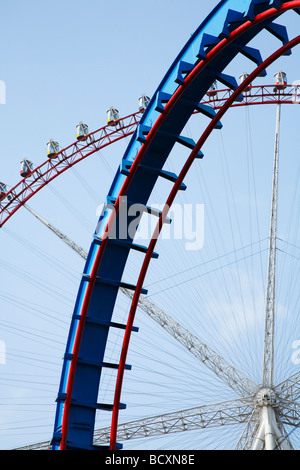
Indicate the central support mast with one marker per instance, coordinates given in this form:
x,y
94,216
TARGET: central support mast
x,y
270,435
268,364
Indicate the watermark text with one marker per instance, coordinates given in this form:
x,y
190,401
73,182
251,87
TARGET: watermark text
x,y
139,222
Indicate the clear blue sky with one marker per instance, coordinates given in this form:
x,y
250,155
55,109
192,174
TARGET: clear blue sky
x,y
69,61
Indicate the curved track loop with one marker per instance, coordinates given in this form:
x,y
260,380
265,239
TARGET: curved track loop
x,y
83,363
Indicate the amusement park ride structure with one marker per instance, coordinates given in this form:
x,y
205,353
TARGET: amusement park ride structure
x,y
264,408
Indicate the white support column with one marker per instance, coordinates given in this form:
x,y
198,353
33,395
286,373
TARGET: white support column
x,y
269,420
269,436
259,439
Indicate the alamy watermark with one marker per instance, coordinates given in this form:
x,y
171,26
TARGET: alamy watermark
x,y
181,222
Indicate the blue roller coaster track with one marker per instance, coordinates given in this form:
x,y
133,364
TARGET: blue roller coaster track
x,y
224,34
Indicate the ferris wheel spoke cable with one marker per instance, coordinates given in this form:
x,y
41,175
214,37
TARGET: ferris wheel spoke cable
x,y
234,262
199,349
252,171
74,246
212,260
221,282
48,288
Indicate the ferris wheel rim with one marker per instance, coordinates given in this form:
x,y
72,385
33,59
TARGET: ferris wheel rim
x,y
50,169
68,161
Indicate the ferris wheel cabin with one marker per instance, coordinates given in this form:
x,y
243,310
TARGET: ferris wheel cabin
x,y
280,81
143,102
3,191
82,131
213,90
26,168
112,116
242,79
52,148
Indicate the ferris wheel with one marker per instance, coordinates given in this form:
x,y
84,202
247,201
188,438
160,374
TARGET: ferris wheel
x,y
263,407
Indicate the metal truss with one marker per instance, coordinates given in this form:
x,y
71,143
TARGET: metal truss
x,y
208,416
289,389
256,95
236,380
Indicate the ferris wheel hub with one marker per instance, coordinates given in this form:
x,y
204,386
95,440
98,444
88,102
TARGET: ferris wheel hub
x,y
266,397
